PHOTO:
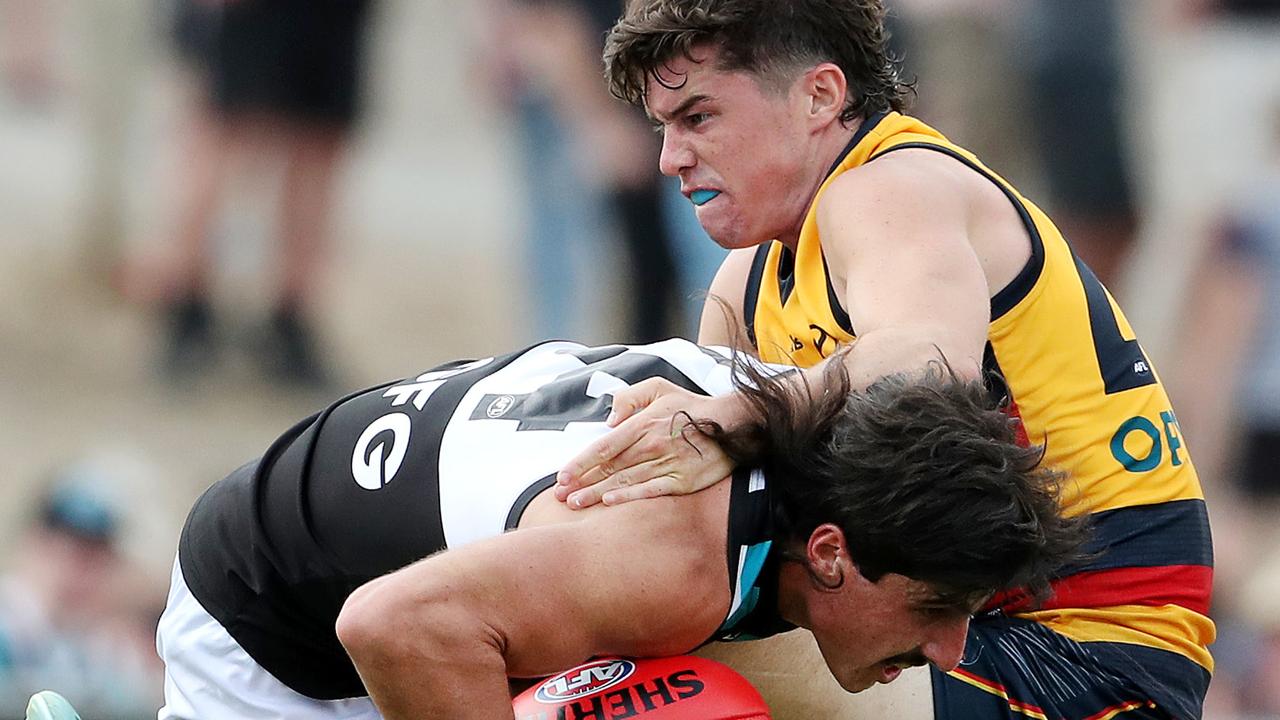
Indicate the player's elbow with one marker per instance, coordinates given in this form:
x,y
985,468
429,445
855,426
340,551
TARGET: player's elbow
x,y
378,619
364,624
390,621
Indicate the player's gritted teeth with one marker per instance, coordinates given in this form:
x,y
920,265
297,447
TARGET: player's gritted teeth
x,y
702,197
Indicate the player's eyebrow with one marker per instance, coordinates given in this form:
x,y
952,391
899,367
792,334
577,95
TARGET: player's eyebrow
x,y
679,110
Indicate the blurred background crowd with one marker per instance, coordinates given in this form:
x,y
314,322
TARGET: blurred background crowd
x,y
215,214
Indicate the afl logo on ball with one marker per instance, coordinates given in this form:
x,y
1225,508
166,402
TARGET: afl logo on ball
x,y
585,680
500,406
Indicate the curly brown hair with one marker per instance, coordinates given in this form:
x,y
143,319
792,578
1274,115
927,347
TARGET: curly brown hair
x,y
769,38
921,471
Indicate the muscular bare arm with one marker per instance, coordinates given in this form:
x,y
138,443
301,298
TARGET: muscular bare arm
x,y
911,241
897,236
439,638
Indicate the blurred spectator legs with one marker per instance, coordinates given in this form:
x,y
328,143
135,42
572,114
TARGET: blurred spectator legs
x,y
278,82
312,156
1009,80
591,179
566,225
110,59
205,148
649,260
1078,129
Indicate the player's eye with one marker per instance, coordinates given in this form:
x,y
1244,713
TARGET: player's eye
x,y
696,119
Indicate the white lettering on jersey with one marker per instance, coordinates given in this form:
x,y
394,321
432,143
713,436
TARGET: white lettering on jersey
x,y
490,457
602,383
374,467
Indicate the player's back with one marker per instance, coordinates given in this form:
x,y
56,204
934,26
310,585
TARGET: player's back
x,y
1085,390
392,474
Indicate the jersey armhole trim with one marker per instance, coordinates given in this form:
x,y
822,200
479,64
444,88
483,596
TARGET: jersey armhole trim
x,y
526,497
1018,288
738,493
751,295
833,300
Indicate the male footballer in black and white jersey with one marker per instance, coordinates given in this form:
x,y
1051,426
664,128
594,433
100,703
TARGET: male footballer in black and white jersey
x,y
397,555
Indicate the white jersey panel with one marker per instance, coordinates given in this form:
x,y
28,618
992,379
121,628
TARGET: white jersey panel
x,y
491,451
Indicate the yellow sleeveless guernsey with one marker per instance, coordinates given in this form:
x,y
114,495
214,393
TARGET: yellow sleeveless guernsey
x,y
1082,387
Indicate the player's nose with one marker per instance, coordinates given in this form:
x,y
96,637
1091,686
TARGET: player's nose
x,y
945,644
676,154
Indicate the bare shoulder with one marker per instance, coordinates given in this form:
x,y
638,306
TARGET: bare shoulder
x,y
645,578
904,181
685,534
699,516
923,196
677,577
724,312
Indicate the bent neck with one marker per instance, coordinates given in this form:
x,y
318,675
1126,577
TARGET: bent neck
x,y
794,586
828,150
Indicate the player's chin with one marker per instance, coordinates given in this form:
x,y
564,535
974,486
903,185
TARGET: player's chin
x,y
720,235
724,228
857,681
732,240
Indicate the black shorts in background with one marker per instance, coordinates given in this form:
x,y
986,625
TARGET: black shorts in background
x,y
298,58
1258,468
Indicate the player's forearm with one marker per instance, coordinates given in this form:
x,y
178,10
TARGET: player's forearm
x,y
890,351
461,686
420,657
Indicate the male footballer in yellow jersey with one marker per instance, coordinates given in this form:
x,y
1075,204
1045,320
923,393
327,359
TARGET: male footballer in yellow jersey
x,y
852,223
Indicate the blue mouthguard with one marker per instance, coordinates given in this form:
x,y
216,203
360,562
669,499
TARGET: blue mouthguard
x,y
702,197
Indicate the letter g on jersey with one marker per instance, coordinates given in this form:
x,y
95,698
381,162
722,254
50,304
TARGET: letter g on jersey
x,y
373,463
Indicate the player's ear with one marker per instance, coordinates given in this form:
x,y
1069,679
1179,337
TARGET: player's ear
x,y
828,556
826,89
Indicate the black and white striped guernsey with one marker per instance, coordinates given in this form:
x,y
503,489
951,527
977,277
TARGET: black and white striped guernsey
x,y
392,474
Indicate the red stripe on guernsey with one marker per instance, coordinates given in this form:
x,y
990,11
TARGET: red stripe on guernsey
x,y
1142,555
996,688
1020,430
1115,710
1187,586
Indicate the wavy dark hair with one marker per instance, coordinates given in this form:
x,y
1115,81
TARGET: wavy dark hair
x,y
922,473
771,38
